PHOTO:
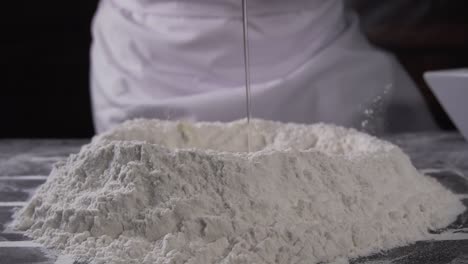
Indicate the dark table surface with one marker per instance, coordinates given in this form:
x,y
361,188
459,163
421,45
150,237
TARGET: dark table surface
x,y
25,164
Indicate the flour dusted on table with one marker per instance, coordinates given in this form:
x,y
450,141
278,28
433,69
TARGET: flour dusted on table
x,y
154,191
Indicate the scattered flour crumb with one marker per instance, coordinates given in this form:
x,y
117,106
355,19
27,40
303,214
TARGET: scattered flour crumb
x,y
165,192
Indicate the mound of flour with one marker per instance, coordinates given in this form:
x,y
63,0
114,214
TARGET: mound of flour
x,y
172,192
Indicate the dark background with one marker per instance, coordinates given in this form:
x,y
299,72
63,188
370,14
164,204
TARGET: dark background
x,y
44,69
45,58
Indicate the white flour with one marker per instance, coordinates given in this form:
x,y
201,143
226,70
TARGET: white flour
x,y
169,192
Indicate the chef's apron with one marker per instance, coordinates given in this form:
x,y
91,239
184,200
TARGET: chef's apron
x,y
183,59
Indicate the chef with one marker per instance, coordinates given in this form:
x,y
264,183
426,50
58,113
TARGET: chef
x,y
183,59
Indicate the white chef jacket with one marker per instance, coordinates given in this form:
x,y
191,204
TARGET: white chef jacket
x,y
183,59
